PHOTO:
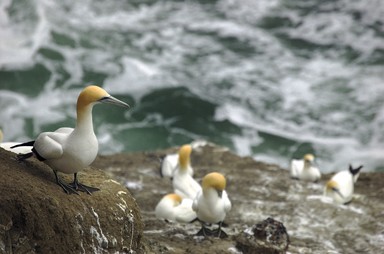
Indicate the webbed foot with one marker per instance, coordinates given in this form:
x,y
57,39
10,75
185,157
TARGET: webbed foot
x,y
84,188
219,233
204,232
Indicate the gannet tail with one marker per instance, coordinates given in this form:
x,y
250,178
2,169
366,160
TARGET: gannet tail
x,y
356,170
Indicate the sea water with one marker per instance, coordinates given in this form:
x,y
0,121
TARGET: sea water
x,y
270,79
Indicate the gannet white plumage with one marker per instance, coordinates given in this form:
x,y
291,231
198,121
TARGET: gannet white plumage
x,y
304,169
69,150
173,207
7,146
183,183
169,165
212,203
341,186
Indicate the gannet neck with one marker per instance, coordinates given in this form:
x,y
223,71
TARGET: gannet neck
x,y
307,164
85,102
84,119
184,157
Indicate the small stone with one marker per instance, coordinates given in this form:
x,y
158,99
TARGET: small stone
x,y
268,236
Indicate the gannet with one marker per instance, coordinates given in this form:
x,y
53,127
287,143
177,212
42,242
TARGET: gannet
x,y
183,183
7,146
304,169
212,203
169,165
69,150
340,186
174,208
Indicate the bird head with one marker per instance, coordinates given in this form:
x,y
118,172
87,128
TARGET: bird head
x,y
309,157
334,187
214,180
94,94
175,198
184,156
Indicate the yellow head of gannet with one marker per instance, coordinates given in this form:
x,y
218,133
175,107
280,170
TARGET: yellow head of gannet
x,y
308,158
1,136
332,189
176,199
70,150
331,185
89,97
185,156
214,180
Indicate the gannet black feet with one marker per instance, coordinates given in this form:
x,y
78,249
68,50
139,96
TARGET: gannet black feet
x,y
82,187
66,187
23,156
204,232
219,233
74,186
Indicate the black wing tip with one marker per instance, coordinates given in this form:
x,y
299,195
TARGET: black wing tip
x,y
29,143
355,171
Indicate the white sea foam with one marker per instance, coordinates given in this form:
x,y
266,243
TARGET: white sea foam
x,y
321,99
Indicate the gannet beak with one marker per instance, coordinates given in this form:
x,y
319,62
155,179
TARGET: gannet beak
x,y
338,192
112,100
220,192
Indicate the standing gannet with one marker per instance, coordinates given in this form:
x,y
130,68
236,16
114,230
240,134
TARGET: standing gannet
x,y
340,186
169,165
304,169
173,207
183,183
7,146
69,150
212,203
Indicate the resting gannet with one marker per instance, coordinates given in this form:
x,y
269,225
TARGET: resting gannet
x,y
183,183
174,208
7,146
304,169
69,150
212,203
340,186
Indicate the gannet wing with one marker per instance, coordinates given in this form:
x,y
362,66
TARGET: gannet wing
x,y
195,204
49,145
227,202
184,211
296,167
169,164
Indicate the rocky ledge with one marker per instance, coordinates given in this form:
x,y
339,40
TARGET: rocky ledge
x,y
258,191
37,216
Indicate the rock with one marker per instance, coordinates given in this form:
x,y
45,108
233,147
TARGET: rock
x,y
268,236
257,190
36,216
